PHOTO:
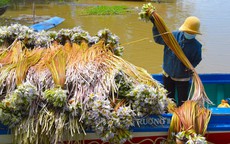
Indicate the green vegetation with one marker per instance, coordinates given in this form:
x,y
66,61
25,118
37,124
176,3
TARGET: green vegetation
x,y
3,2
106,10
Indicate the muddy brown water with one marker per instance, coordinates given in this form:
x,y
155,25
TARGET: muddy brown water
x,y
136,35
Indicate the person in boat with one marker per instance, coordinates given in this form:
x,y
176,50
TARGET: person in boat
x,y
175,75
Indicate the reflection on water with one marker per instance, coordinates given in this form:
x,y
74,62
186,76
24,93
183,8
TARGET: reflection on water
x,y
136,36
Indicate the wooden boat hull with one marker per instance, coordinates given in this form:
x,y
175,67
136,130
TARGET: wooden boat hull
x,y
3,9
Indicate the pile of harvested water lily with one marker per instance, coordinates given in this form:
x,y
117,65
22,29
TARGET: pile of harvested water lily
x,y
55,86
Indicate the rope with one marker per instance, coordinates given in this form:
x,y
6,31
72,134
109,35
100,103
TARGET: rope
x,y
162,34
135,41
144,39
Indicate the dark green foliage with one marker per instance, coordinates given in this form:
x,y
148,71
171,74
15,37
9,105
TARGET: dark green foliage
x,y
106,10
3,2
124,87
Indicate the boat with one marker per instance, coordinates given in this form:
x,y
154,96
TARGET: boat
x,y
3,9
47,24
154,129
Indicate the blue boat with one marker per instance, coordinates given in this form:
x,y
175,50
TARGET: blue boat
x,y
47,24
217,85
154,129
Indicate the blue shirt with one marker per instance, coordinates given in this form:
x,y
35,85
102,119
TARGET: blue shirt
x,y
171,64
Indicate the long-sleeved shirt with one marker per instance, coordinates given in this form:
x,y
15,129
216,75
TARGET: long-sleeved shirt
x,y
171,64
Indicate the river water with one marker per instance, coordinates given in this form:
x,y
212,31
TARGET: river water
x,y
136,35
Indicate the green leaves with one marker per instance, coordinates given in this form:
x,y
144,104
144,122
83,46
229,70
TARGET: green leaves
x,y
16,105
3,2
106,10
56,96
146,11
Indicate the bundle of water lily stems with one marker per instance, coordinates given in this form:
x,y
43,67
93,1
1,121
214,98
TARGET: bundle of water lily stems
x,y
191,119
55,86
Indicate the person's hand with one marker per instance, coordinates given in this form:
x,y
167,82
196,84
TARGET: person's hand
x,y
189,71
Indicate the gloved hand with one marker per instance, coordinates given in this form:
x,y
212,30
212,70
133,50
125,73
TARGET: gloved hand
x,y
189,71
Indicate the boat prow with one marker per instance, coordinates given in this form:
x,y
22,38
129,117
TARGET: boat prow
x,y
3,9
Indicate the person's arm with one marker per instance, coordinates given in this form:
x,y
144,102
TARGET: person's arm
x,y
156,36
197,58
